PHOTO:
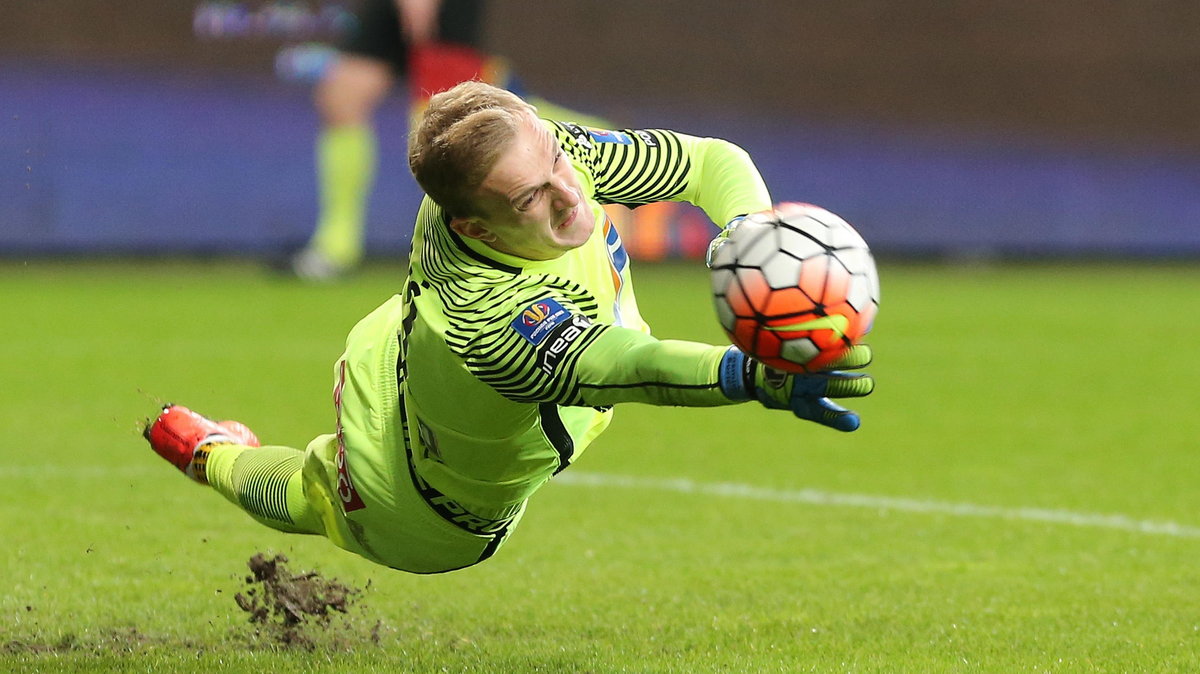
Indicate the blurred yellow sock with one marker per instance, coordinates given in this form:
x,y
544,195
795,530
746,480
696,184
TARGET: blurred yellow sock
x,y
346,158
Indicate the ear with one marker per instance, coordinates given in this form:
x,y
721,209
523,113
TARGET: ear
x,y
472,228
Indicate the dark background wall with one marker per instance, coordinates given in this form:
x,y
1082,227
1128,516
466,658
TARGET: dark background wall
x,y
971,125
1099,71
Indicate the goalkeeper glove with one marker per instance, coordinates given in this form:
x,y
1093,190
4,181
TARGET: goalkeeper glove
x,y
806,395
716,243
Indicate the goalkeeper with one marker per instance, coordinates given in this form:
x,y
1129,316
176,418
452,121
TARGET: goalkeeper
x,y
515,335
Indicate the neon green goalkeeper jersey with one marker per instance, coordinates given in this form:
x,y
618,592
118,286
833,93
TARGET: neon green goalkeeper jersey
x,y
509,367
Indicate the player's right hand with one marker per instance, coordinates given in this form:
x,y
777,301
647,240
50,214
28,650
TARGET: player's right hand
x,y
808,396
715,244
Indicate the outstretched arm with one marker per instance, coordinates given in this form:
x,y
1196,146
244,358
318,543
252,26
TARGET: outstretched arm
x,y
628,366
633,167
565,358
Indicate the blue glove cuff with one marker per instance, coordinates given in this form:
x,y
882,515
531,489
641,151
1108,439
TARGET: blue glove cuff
x,y
732,375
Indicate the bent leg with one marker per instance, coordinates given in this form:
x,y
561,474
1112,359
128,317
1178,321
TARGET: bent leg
x,y
370,509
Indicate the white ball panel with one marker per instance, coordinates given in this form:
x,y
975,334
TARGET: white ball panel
x,y
755,243
724,314
721,279
843,236
799,351
797,244
857,260
781,271
859,294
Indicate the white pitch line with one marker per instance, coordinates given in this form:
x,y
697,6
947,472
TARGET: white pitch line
x,y
733,490
826,498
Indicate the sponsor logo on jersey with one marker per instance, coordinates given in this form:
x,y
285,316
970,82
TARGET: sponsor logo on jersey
x,y
536,321
429,441
580,134
616,249
536,313
347,494
566,334
646,137
351,501
453,512
606,136
619,260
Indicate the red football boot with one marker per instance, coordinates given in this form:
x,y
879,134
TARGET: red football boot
x,y
182,437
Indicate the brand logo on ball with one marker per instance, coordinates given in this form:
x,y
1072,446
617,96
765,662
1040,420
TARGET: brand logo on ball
x,y
837,323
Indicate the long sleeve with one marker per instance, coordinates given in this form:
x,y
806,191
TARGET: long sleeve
x,y
724,181
641,166
548,350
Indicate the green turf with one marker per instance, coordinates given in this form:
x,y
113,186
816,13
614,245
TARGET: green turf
x,y
1070,389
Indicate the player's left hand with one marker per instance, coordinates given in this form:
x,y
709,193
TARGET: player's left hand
x,y
808,396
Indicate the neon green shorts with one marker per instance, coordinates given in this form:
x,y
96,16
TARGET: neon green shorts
x,y
393,522
362,481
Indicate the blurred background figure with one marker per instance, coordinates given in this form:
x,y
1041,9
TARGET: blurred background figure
x,y
165,131
431,45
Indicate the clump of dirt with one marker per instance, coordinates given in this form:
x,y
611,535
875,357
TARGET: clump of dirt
x,y
298,609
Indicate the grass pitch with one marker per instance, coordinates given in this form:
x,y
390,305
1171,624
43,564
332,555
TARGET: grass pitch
x,y
1021,497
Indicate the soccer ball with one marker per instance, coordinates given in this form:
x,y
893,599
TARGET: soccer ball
x,y
795,286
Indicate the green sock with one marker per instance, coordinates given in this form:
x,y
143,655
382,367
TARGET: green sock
x,y
266,482
346,157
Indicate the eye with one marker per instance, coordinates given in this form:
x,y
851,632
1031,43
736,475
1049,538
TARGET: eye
x,y
528,201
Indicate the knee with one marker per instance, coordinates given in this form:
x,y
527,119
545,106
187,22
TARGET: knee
x,y
351,91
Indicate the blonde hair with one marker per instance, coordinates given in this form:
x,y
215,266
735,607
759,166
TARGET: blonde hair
x,y
458,140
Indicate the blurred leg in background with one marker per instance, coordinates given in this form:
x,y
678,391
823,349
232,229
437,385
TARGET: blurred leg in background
x,y
431,45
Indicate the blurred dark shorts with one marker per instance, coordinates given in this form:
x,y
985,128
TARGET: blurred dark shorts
x,y
378,34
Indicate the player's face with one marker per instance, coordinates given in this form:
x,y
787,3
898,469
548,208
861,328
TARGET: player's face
x,y
532,204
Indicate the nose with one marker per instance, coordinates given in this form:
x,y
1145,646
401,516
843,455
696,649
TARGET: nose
x,y
564,196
